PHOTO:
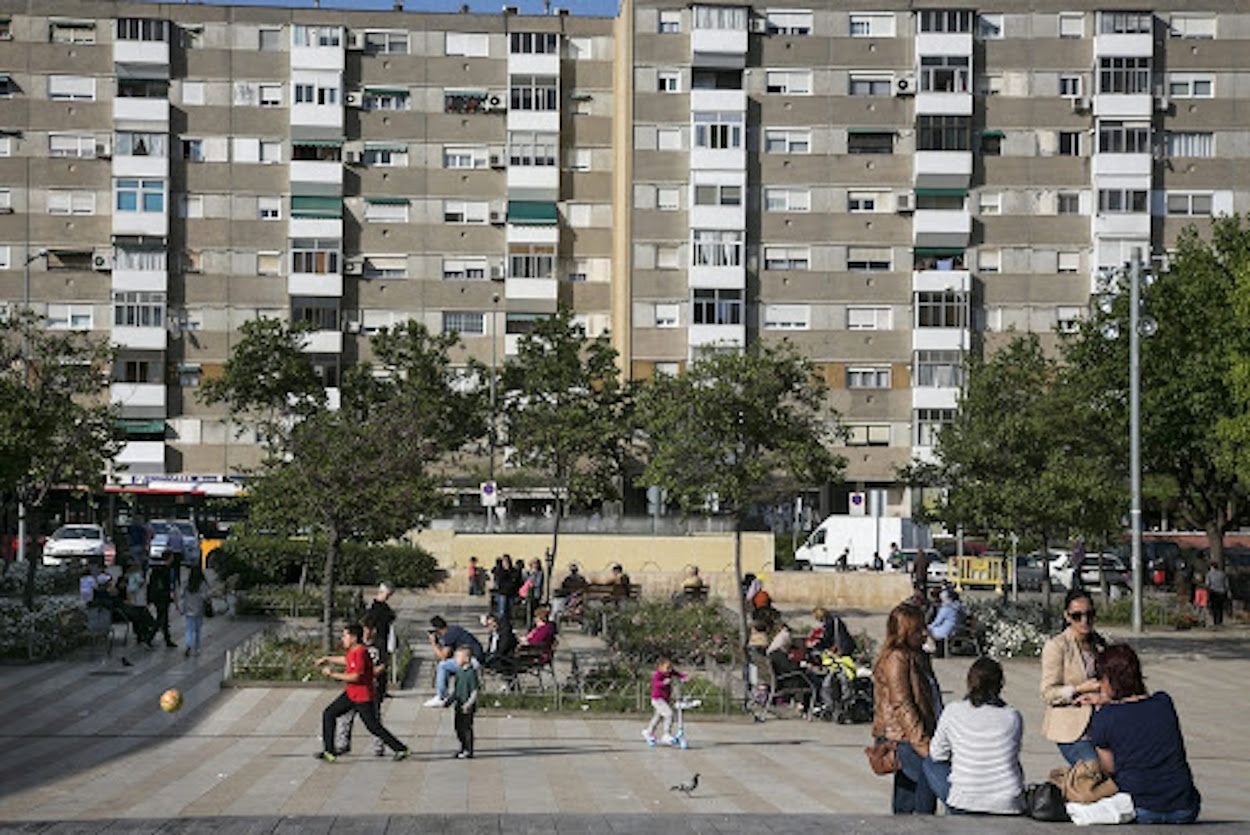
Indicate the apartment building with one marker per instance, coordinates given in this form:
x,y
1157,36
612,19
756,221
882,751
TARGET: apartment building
x,y
891,185
168,172
888,185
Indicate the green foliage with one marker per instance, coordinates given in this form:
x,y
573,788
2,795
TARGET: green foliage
x,y
57,579
281,658
289,601
56,626
690,634
273,560
1157,610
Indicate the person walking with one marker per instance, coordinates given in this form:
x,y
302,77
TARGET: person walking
x,y
463,700
357,695
161,592
343,726
1217,593
191,604
1069,687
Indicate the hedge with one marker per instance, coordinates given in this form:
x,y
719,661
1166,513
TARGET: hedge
x,y
271,560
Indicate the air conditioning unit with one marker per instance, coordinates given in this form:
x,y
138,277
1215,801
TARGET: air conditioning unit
x,y
494,102
759,25
351,327
354,98
102,261
497,272
355,40
498,218
1080,104
103,150
496,160
905,202
905,85
1162,104
353,267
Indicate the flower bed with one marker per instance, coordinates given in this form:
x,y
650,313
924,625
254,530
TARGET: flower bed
x,y
693,634
289,655
56,626
291,602
1010,630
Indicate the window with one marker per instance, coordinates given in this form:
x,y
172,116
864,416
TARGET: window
x,y
376,99
1070,85
69,259
389,156
71,88
1191,85
875,434
1069,143
944,20
141,29
465,211
466,156
944,74
666,315
322,314
1068,203
943,133
668,81
268,263
386,43
990,203
315,36
534,92
788,22
270,152
667,258
1190,144
69,317
868,378
1069,262
989,260
271,95
269,40
716,248
720,131
720,17
787,317
865,201
789,82
992,143
138,309
781,141
142,88
990,26
941,309
717,307
928,423
531,261
1195,25
534,43
319,256
529,148
872,25
1124,76
1185,203
1125,23
670,22
1123,201
1068,319
868,318
862,259
468,44
146,196
306,151
191,205
1115,137
64,202
193,92
464,269
71,145
269,208
668,198
668,139
389,266
870,142
1071,25
867,84
464,322
144,260
939,369
6,146
193,150
314,94
386,212
130,144
787,258
778,199
6,200
72,31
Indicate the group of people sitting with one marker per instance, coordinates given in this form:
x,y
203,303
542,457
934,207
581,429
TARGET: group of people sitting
x,y
504,653
1098,711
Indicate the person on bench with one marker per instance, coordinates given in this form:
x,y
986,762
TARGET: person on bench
x,y
620,582
572,586
949,619
539,642
501,644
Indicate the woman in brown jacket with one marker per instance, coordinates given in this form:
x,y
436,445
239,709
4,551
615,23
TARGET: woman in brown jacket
x,y
906,704
1069,687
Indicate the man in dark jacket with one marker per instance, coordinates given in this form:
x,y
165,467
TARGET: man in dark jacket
x,y
501,643
161,590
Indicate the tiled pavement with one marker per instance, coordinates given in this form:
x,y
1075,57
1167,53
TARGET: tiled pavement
x,y
93,748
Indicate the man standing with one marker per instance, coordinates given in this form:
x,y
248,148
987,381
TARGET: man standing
x,y
382,616
161,590
1217,593
357,695
444,639
920,571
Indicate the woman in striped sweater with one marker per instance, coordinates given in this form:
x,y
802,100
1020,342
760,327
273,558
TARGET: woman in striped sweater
x,y
974,756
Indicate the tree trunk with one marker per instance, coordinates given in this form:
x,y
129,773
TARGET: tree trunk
x,y
1215,541
28,591
555,543
327,590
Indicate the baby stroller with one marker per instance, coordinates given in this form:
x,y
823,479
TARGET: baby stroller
x,y
846,692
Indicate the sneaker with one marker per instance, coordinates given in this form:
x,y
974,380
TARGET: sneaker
x,y
433,701
647,736
668,739
400,756
326,755
379,752
463,755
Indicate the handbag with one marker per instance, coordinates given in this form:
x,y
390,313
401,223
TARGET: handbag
x,y
883,757
1044,802
208,607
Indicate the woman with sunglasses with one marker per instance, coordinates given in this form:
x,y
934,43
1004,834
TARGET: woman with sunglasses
x,y
1070,687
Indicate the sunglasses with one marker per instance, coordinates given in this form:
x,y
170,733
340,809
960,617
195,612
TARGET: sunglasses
x,y
1082,614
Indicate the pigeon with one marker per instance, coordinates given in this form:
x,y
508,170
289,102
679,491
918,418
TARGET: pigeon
x,y
687,788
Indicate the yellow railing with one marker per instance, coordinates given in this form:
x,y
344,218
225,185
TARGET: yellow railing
x,y
980,572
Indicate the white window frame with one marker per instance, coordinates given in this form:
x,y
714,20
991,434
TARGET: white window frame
x,y
868,434
1189,202
466,268
191,205
989,260
385,42
989,203
1201,25
872,377
1184,85
467,44
1071,24
6,146
869,318
861,201
465,157
269,262
1182,143
718,130
194,92
1071,80
667,257
71,88
63,201
667,314
670,132
1068,261
668,81
668,198
70,317
990,26
270,152
386,212
268,208
787,199
270,95
394,265
872,25
466,212
788,82
80,32
669,22
787,257
83,145
792,140
792,22
1068,318
464,322
787,317
6,256
880,84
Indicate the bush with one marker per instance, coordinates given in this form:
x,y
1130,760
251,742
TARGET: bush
x,y
58,579
273,560
289,600
56,626
1010,630
690,634
280,658
1156,611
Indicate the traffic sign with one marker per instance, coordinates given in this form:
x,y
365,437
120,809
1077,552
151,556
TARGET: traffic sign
x,y
490,494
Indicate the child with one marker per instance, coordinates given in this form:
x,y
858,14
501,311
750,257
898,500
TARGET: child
x,y
661,697
464,700
343,727
357,696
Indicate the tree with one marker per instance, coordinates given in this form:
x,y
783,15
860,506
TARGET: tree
x,y
736,430
1025,454
1194,425
566,413
56,427
363,471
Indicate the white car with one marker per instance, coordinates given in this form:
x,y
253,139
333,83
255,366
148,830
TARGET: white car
x,y
75,543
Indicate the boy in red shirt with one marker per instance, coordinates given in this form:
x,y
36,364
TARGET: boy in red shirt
x,y
357,695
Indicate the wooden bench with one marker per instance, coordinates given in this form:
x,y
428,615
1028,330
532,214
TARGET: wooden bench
x,y
593,600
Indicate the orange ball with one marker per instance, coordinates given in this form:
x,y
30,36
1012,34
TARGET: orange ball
x,y
171,701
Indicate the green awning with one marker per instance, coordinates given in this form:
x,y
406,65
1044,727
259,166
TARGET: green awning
x,y
387,91
319,143
394,147
387,201
939,250
144,244
941,192
871,130
993,133
188,367
532,212
142,427
316,206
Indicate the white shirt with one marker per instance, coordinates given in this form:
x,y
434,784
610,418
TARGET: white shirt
x,y
983,746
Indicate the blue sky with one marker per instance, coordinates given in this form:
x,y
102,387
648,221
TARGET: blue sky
x,y
580,7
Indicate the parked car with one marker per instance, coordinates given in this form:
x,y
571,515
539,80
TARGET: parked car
x,y
162,533
1116,571
75,543
1031,568
936,572
1160,558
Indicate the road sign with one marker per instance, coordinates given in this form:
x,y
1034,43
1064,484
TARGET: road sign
x,y
490,494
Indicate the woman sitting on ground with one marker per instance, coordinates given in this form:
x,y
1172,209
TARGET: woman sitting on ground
x,y
1138,738
1069,688
974,757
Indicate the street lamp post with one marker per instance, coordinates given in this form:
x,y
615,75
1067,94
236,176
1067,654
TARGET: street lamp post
x,y
494,361
1134,431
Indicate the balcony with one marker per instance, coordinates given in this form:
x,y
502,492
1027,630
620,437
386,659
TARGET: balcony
x,y
544,121
1124,106
533,289
141,458
148,166
934,398
949,104
943,43
716,278
1124,165
939,280
723,101
141,224
326,118
1135,45
941,339
1126,225
315,227
142,53
525,63
941,227
323,342
144,281
318,57
127,109
313,171
718,217
942,169
138,400
534,182
138,338
726,48
319,285
727,336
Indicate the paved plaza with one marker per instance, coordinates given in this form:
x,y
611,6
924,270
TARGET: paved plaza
x,y
86,745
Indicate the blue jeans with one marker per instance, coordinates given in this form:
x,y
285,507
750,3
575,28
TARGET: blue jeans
x,y
446,668
1176,816
1079,751
193,625
912,794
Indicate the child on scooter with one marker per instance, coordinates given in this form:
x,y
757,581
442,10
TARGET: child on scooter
x,y
661,701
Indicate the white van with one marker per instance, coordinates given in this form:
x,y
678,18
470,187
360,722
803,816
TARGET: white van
x,y
864,536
